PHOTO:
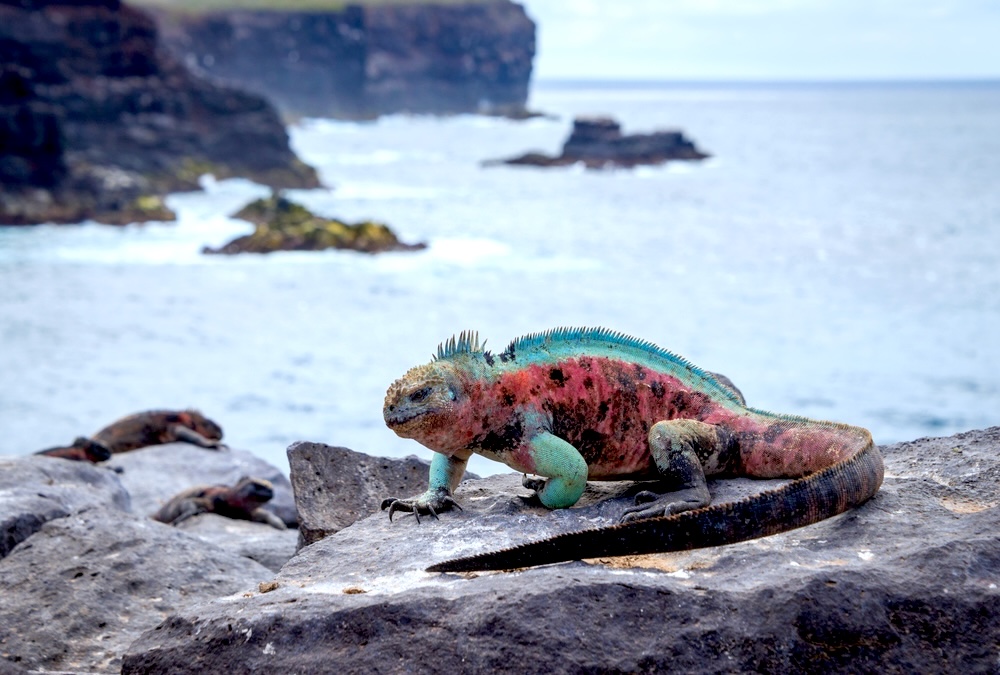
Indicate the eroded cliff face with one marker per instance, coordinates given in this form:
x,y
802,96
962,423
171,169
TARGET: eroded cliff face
x,y
361,62
96,121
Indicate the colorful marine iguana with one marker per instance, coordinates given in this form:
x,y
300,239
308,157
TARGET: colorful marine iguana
x,y
241,501
81,450
578,404
155,427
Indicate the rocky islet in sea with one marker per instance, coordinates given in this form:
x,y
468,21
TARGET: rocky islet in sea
x,y
283,225
598,143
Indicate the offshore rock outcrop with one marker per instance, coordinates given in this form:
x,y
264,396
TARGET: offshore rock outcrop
x,y
282,225
97,122
598,142
362,61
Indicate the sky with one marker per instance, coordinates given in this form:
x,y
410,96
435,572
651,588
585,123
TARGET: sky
x,y
767,39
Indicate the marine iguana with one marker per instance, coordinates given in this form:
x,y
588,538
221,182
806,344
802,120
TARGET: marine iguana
x,y
155,427
82,450
579,404
241,501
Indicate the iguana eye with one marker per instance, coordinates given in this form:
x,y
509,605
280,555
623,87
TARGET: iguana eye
x,y
420,394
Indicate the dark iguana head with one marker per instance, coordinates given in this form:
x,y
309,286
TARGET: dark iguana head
x,y
430,404
95,451
253,490
193,419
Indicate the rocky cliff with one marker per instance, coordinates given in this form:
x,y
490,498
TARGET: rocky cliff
x,y
363,61
96,121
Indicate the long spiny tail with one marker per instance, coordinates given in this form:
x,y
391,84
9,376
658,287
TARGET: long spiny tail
x,y
802,502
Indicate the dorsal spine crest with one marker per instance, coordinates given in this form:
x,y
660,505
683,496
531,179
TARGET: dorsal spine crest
x,y
467,342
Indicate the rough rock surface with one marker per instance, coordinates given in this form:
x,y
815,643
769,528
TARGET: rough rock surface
x,y
97,122
334,487
909,582
143,473
283,225
598,142
260,542
35,490
80,590
360,62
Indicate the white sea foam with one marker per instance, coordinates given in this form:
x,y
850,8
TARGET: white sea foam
x,y
719,264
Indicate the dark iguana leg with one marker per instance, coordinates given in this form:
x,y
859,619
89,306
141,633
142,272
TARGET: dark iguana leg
x,y
260,515
565,468
185,435
445,475
187,509
682,450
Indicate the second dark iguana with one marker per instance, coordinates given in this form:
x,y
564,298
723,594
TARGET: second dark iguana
x,y
578,404
155,427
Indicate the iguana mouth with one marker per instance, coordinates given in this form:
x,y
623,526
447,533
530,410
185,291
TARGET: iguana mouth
x,y
397,419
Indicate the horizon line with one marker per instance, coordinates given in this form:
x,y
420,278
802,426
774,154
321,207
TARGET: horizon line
x,y
627,80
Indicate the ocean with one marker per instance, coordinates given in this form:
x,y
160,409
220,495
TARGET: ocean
x,y
838,257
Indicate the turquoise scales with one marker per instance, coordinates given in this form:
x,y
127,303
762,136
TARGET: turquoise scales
x,y
578,404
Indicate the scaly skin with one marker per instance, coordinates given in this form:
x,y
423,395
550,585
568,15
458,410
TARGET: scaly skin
x,y
574,405
155,427
241,501
82,450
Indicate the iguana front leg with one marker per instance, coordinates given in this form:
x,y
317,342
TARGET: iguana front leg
x,y
260,515
562,464
445,475
684,450
185,435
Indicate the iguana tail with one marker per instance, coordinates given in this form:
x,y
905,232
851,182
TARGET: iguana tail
x,y
805,501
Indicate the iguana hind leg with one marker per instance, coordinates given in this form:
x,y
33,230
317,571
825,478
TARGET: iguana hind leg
x,y
684,451
183,434
563,465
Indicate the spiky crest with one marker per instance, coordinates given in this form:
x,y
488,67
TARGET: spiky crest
x,y
610,338
467,342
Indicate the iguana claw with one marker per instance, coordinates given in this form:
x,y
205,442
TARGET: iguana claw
x,y
423,504
535,484
652,505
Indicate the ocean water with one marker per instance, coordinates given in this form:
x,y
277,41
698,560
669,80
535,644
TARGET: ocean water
x,y
837,257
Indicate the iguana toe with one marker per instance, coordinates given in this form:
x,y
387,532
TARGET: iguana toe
x,y
535,484
652,505
419,505
646,496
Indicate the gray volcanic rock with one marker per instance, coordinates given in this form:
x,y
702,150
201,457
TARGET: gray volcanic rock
x,y
908,582
258,541
155,474
364,61
35,490
598,142
334,487
82,588
96,121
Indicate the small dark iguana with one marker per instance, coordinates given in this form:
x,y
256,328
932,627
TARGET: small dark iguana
x,y
241,501
155,427
81,450
579,404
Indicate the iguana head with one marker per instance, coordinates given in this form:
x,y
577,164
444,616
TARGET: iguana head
x,y
426,405
250,490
